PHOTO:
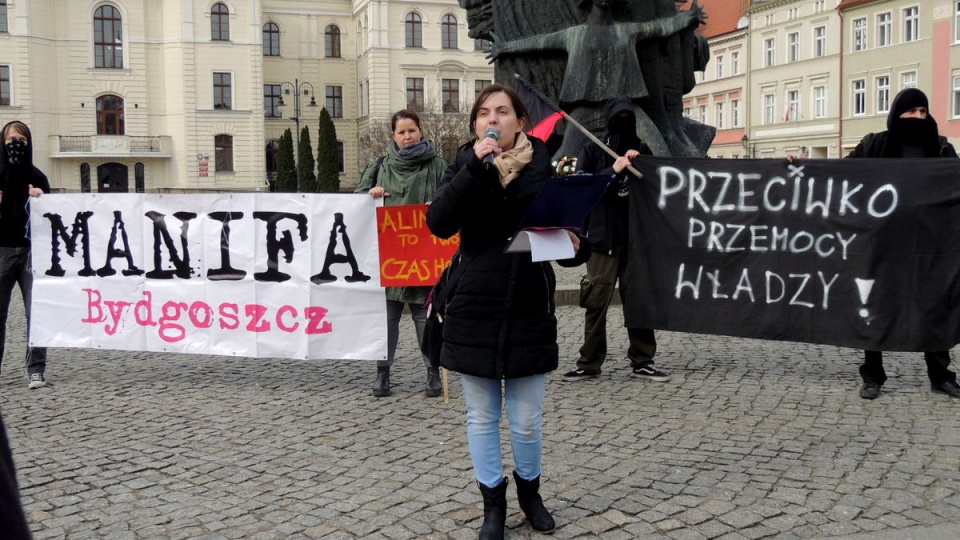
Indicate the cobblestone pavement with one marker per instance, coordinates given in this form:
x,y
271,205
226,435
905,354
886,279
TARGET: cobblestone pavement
x,y
749,439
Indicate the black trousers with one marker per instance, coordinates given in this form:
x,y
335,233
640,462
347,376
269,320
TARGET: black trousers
x,y
872,369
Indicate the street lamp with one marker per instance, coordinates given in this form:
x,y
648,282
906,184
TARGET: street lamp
x,y
298,87
749,149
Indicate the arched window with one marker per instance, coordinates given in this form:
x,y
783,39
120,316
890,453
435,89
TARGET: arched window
x,y
223,153
110,115
107,38
271,39
413,26
219,22
448,32
332,41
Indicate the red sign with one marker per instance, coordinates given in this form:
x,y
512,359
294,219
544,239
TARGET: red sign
x,y
409,254
204,170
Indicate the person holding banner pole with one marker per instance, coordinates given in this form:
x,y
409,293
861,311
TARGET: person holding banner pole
x,y
911,133
19,180
408,174
607,229
499,329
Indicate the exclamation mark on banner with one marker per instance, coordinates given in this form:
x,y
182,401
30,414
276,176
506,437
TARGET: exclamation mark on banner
x,y
864,286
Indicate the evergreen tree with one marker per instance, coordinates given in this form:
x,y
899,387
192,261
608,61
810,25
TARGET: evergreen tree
x,y
328,159
286,167
306,166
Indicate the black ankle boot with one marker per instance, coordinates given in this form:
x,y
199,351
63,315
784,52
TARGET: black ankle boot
x,y
381,386
528,496
494,511
433,388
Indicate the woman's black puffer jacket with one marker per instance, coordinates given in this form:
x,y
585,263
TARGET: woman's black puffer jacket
x,y
499,321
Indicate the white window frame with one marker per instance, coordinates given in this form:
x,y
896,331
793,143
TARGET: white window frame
x,y
859,34
883,93
770,52
818,6
956,21
793,47
819,41
735,113
719,66
703,113
793,106
956,96
858,96
884,29
769,109
735,62
819,101
911,24
908,79
718,113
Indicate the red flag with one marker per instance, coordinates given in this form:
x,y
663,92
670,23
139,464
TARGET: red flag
x,y
544,129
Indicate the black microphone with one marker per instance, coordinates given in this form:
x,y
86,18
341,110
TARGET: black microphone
x,y
490,133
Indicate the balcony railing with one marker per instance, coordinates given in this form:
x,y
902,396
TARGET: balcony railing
x,y
62,146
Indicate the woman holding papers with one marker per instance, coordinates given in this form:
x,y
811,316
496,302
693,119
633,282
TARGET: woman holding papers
x,y
499,330
408,174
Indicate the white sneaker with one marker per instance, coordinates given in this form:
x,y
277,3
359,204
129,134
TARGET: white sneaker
x,y
36,380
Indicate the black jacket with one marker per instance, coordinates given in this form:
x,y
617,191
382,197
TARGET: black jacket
x,y
875,145
607,225
500,321
891,143
14,201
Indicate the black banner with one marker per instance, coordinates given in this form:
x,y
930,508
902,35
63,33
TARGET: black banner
x,y
861,253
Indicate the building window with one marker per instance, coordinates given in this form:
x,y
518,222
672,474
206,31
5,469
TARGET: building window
x,y
769,52
819,101
793,47
735,62
956,21
4,86
223,153
340,159
820,41
331,41
450,88
222,91
138,178
719,67
107,38
219,22
859,97
482,45
414,93
479,85
271,101
271,39
769,109
448,32
908,80
703,114
3,16
686,112
884,29
413,27
860,34
109,115
735,113
718,109
911,24
883,95
793,13
793,106
334,101
956,97
818,6
272,154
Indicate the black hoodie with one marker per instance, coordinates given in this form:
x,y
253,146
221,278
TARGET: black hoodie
x,y
898,141
15,182
606,226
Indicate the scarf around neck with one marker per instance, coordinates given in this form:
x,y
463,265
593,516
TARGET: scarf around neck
x,y
511,162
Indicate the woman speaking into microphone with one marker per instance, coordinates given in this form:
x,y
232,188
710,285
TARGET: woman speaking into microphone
x,y
499,330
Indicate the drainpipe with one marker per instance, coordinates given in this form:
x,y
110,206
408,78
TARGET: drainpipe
x,y
842,86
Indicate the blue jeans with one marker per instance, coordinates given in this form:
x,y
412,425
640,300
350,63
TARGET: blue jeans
x,y
394,310
524,402
15,270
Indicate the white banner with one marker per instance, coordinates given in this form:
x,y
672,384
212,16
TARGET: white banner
x,y
261,275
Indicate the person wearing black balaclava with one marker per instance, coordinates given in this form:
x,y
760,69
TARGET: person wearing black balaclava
x,y
607,230
911,133
19,180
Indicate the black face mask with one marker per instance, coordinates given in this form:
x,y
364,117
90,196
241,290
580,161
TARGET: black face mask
x,y
622,125
16,151
920,132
